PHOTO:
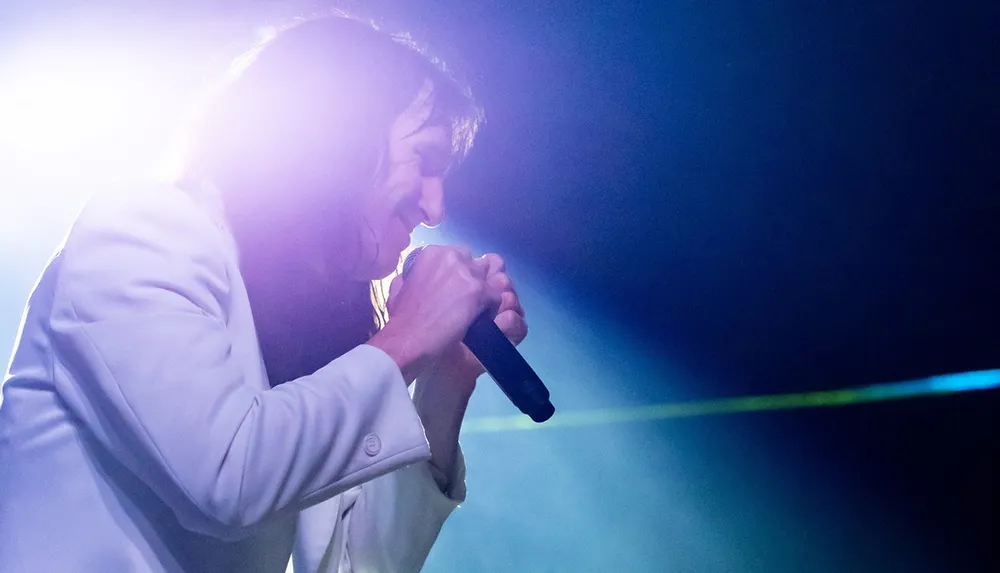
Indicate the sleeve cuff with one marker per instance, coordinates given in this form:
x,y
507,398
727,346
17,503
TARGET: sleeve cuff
x,y
453,487
387,434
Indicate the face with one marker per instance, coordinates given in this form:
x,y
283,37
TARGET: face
x,y
410,192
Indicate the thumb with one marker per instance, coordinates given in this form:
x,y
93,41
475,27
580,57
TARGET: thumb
x,y
394,287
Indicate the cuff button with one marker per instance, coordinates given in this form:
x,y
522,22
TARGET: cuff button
x,y
373,445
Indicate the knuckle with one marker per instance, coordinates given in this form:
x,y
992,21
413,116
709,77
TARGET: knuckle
x,y
495,293
495,260
434,252
457,256
478,267
502,280
509,299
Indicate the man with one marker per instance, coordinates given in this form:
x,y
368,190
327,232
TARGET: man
x,y
205,380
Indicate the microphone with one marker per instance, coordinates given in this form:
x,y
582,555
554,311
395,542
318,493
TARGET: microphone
x,y
502,361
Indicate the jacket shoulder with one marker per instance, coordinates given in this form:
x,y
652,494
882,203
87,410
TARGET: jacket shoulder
x,y
144,247
149,210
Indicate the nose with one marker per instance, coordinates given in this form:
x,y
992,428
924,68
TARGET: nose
x,y
432,201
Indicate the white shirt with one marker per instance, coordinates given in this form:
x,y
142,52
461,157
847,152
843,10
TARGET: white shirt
x,y
138,431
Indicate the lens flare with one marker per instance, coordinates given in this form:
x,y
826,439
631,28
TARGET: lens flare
x,y
934,385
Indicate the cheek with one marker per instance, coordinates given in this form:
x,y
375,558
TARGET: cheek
x,y
380,224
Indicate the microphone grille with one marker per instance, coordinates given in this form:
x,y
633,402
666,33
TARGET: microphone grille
x,y
410,260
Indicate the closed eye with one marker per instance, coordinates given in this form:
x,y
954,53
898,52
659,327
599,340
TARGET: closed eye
x,y
433,163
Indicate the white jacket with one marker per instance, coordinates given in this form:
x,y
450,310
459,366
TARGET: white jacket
x,y
138,432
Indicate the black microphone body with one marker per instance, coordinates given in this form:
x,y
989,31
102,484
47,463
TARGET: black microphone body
x,y
503,362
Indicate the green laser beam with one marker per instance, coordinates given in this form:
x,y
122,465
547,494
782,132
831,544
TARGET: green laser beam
x,y
935,385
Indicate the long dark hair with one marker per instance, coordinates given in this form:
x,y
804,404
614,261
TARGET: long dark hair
x,y
297,131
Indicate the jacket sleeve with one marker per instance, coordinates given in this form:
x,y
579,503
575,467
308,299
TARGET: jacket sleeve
x,y
143,358
388,524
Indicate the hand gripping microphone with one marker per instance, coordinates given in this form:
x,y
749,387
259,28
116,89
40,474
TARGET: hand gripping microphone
x,y
502,361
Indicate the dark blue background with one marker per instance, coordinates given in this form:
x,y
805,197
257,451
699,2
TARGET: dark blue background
x,y
789,196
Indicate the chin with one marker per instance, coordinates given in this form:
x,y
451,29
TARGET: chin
x,y
385,265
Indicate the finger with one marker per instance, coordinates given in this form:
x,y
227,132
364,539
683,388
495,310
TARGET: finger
x,y
500,281
509,301
449,253
497,264
508,296
492,298
479,268
512,325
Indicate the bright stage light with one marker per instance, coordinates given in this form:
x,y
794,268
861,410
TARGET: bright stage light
x,y
65,115
74,118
